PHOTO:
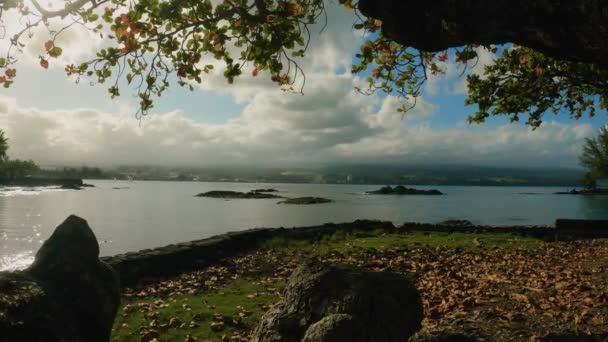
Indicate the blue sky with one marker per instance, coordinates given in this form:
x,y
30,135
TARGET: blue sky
x,y
54,121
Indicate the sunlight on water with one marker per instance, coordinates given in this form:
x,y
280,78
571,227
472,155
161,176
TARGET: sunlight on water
x,y
10,191
17,261
130,216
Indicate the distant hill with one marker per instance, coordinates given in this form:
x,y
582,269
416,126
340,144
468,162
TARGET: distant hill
x,y
454,175
360,174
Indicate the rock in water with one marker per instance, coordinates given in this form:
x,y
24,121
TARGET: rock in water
x,y
343,303
67,294
401,190
306,200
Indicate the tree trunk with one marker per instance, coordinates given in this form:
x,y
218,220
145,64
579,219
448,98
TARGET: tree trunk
x,y
575,30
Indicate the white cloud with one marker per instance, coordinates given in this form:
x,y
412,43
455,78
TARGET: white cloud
x,y
337,129
554,144
329,52
330,123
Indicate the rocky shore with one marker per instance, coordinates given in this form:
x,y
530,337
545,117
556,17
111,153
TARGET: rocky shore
x,y
187,256
73,295
520,289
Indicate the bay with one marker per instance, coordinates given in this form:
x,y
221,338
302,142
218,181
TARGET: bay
x,y
147,214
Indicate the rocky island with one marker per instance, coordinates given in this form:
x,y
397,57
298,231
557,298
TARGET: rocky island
x,y
236,194
582,192
306,200
401,190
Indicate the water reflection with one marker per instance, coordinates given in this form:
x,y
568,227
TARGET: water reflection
x,y
594,207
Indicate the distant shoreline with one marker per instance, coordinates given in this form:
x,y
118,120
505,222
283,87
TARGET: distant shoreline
x,y
41,181
567,186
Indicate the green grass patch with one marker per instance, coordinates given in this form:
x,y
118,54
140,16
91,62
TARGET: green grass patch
x,y
242,300
344,242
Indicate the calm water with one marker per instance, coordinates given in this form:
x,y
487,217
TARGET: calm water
x,y
151,214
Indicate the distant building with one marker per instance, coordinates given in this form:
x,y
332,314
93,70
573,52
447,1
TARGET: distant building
x,y
349,178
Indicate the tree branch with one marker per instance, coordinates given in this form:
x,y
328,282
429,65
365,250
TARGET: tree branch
x,y
68,9
574,30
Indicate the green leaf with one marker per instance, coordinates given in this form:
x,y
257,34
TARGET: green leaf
x,y
55,51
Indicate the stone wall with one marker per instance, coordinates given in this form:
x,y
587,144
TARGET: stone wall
x,y
178,258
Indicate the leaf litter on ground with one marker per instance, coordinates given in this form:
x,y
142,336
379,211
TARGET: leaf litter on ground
x,y
491,293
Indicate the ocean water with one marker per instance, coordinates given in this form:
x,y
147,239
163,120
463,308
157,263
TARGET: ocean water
x,y
151,214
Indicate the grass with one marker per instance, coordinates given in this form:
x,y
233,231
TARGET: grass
x,y
238,305
233,309
343,242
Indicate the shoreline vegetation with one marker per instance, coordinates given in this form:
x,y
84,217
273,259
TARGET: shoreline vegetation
x,y
43,181
498,283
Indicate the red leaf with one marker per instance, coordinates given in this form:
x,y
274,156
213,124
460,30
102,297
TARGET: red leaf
x,y
10,73
49,45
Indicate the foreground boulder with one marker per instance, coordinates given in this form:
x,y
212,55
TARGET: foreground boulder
x,y
342,303
66,295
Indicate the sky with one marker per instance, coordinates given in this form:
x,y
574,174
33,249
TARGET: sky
x,y
54,121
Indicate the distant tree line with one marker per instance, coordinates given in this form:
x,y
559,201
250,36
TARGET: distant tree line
x,y
83,172
13,168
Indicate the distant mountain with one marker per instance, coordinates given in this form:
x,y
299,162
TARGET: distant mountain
x,y
362,174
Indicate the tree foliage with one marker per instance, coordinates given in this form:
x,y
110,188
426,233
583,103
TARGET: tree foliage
x,y
595,158
524,81
9,168
150,44
16,168
3,146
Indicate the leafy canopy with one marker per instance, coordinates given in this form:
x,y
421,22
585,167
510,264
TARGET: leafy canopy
x,y
153,43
